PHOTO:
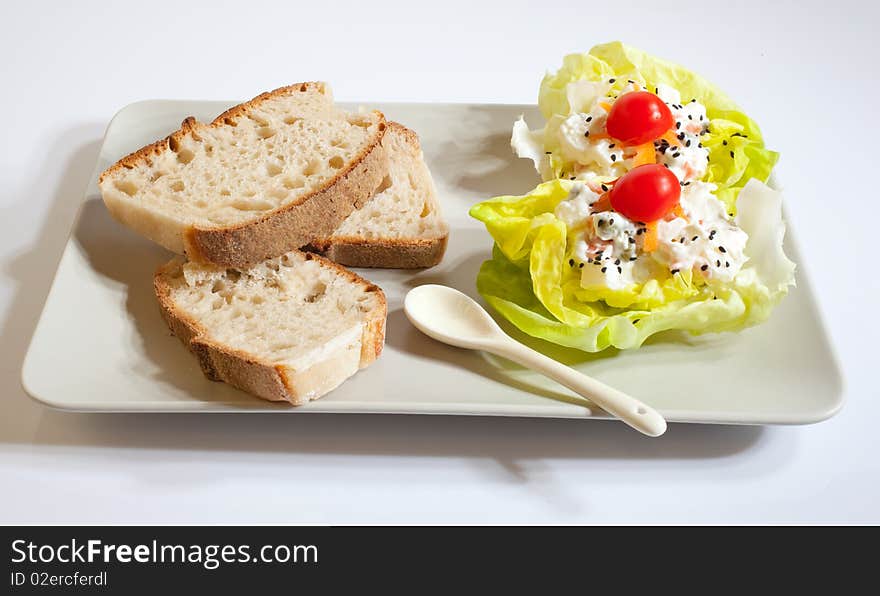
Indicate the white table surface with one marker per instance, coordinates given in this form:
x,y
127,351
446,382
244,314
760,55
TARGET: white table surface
x,y
805,70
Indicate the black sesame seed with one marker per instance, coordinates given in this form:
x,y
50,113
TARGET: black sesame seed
x,y
611,222
687,143
694,239
681,136
630,81
636,321
701,117
586,134
604,269
633,258
613,157
677,125
704,267
724,142
690,117
571,262
726,264
676,154
589,118
619,270
722,249
718,263
655,91
617,261
581,266
674,271
605,188
731,154
632,240
611,80
572,178
611,146
694,100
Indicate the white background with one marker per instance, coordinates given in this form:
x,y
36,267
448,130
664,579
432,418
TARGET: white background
x,y
805,70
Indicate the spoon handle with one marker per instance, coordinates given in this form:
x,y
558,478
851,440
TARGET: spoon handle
x,y
638,415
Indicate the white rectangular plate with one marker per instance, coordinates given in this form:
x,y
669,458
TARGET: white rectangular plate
x,y
101,344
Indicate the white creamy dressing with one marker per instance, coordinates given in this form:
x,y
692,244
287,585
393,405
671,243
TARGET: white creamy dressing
x,y
705,241
690,160
593,156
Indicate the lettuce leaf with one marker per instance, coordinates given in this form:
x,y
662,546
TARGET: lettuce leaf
x,y
583,76
528,281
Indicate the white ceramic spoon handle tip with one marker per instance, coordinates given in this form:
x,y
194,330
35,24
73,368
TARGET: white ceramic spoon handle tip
x,y
633,412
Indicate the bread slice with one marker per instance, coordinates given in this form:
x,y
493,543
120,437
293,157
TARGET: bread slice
x,y
290,328
402,226
264,177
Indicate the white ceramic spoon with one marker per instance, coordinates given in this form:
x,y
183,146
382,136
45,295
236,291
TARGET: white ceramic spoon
x,y
447,315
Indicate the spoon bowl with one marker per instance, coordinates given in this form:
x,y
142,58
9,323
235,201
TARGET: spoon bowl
x,y
449,316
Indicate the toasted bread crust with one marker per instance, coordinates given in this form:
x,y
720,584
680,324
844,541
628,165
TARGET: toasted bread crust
x,y
412,138
290,226
245,371
385,253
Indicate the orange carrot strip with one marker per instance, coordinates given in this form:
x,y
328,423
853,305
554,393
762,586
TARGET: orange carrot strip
x,y
603,203
649,244
677,211
669,135
605,106
644,154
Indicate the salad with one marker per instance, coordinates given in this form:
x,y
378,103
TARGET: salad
x,y
654,213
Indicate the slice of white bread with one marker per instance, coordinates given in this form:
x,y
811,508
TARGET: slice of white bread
x,y
265,177
290,328
402,227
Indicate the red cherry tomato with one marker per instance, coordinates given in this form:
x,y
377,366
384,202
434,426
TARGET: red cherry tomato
x,y
645,193
638,117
